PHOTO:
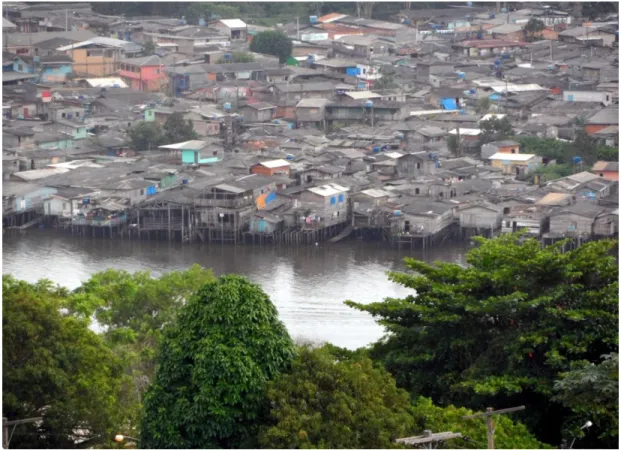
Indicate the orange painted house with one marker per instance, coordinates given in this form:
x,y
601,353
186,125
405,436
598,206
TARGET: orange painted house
x,y
146,74
269,168
607,170
603,119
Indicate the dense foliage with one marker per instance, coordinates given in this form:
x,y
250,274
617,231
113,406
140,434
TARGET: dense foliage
x,y
591,391
237,57
495,129
274,43
132,309
509,434
501,331
326,402
176,129
213,364
563,151
150,135
55,367
146,136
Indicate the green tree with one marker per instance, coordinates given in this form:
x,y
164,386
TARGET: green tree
x,y
584,147
591,391
328,402
533,27
274,43
176,129
545,147
453,145
508,434
483,105
387,80
495,129
133,309
55,367
500,331
607,153
237,57
146,136
213,366
148,48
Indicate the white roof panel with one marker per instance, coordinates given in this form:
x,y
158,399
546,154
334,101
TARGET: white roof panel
x,y
490,116
275,163
234,23
358,95
327,190
466,131
512,156
106,82
188,145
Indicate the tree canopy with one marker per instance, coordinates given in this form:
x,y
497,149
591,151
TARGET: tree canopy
x,y
213,364
327,402
55,367
591,391
501,331
274,43
495,129
176,129
146,136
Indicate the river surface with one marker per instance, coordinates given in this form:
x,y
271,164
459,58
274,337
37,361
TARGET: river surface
x,y
307,284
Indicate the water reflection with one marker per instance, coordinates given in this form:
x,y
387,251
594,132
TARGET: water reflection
x,y
307,284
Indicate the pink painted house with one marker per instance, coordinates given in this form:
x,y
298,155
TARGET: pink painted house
x,y
146,74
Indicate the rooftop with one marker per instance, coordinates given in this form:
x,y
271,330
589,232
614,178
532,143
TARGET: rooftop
x,y
511,157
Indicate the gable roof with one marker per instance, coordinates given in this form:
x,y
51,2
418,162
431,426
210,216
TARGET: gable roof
x,y
152,60
104,42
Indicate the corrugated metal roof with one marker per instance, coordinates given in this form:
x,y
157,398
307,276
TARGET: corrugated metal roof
x,y
188,145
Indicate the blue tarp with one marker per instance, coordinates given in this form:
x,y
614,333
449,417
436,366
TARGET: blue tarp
x,y
449,104
353,71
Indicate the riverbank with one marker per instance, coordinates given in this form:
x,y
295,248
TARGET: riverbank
x,y
308,284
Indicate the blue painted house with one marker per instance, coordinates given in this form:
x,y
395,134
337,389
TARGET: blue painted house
x,y
52,68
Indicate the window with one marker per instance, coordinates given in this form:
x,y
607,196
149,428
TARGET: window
x,y
601,174
341,198
63,115
506,211
77,114
333,200
418,165
88,53
64,206
20,68
141,191
417,191
441,194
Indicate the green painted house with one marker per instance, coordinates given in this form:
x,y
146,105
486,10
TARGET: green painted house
x,y
196,152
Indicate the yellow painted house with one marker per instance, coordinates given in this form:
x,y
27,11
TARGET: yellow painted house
x,y
515,164
99,56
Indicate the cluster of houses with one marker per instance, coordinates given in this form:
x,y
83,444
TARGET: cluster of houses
x,y
371,128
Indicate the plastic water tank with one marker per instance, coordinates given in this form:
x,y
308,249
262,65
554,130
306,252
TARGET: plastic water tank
x,y
228,56
310,59
576,160
397,212
376,149
313,19
184,181
368,104
201,22
227,106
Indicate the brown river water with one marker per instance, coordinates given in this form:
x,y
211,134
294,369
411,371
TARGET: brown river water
x,y
307,284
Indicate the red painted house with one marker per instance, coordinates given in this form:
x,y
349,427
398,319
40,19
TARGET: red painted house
x,y
146,74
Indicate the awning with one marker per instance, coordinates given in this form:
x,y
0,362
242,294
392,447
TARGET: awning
x,y
448,104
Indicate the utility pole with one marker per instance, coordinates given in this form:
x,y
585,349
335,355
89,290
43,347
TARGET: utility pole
x,y
66,20
297,19
427,439
489,415
6,424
